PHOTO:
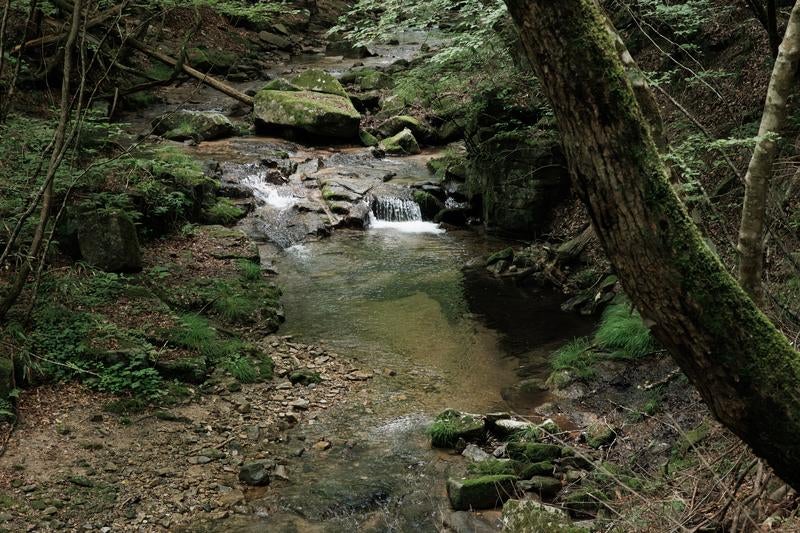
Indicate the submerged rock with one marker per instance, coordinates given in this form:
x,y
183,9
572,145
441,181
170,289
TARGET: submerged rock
x,y
485,492
403,143
109,242
307,112
184,124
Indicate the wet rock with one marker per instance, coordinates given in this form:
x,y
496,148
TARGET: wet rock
x,y
403,143
429,205
364,102
367,79
109,242
347,50
545,487
279,84
312,113
506,254
485,492
452,425
255,473
280,473
185,124
475,454
453,216
367,139
534,452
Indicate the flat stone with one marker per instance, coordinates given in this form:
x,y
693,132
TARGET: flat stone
x,y
359,375
475,454
300,404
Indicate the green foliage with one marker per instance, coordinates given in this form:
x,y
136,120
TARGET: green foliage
x,y
577,357
235,307
684,19
224,211
196,333
255,12
623,332
250,271
242,369
443,431
491,467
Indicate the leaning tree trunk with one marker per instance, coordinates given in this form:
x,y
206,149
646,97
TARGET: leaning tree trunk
x,y
759,172
746,371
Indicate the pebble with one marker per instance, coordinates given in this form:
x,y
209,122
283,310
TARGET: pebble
x,y
322,445
300,404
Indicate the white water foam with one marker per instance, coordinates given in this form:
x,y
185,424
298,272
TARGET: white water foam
x,y
409,226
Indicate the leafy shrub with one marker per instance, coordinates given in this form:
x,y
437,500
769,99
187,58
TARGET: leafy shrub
x,y
224,212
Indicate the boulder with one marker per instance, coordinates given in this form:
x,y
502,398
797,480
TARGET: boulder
x,y
599,435
319,81
187,369
403,143
528,470
280,84
367,79
347,50
398,123
454,216
255,473
429,205
367,139
546,487
475,454
184,124
109,242
533,452
368,101
278,41
485,492
307,112
452,425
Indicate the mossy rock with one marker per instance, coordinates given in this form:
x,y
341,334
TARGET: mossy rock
x,y
304,376
452,425
367,139
187,369
506,254
398,123
528,470
281,84
533,452
403,143
429,205
199,125
311,113
319,81
584,501
545,487
484,492
599,435
367,79
214,60
109,242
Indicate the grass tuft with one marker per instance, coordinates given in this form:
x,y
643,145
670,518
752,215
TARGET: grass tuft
x,y
250,271
623,333
577,357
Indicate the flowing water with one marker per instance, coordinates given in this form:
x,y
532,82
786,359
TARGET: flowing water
x,y
403,297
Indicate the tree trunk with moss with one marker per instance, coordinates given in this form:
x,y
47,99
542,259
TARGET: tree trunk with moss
x,y
745,369
759,171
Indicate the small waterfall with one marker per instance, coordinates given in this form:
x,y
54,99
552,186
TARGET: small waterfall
x,y
396,210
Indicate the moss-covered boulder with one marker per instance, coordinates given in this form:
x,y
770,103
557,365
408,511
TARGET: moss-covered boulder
x,y
109,242
544,486
199,125
528,470
533,452
429,205
599,435
214,60
484,492
403,143
319,81
367,139
304,376
452,425
584,501
367,79
280,84
398,123
311,113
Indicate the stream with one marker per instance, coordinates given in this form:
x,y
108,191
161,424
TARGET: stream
x,y
405,298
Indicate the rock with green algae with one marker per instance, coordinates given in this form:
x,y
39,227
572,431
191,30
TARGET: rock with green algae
x,y
367,139
186,369
533,452
525,516
428,204
398,123
312,113
280,84
109,242
319,81
545,486
185,124
528,470
403,143
484,492
452,425
367,79
584,501
599,435
506,254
